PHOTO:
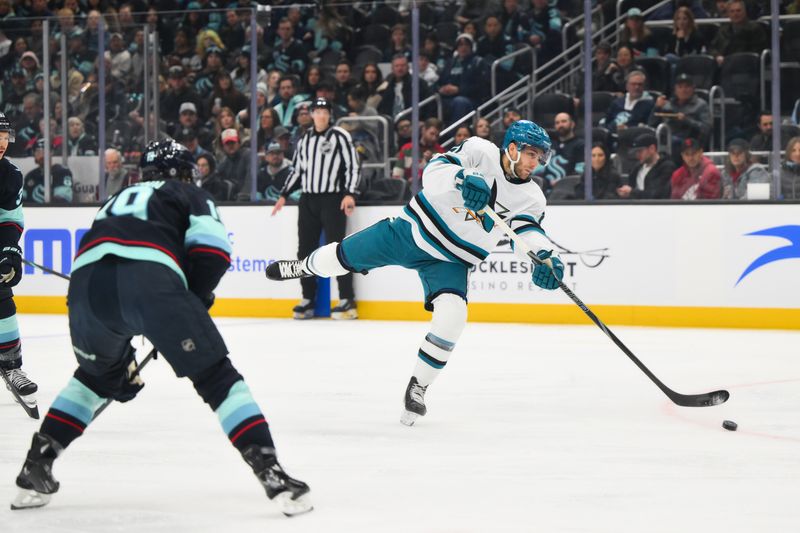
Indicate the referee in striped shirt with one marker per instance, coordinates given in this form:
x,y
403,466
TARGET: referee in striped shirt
x,y
326,167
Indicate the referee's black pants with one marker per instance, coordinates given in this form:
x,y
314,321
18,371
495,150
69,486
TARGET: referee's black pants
x,y
319,212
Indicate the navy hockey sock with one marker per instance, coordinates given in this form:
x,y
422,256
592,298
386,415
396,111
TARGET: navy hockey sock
x,y
71,412
242,419
225,391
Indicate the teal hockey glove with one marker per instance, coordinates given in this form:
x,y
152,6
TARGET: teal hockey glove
x,y
544,276
474,189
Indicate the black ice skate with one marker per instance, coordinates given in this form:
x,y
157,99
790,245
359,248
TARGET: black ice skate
x,y
35,481
345,310
304,310
415,402
290,494
283,270
23,390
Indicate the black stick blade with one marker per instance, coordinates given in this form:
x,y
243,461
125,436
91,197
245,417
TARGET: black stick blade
x,y
709,399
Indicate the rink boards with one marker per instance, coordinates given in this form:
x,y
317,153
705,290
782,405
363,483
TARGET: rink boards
x,y
658,265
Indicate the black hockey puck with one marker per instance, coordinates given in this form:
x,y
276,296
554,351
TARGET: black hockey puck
x,y
730,425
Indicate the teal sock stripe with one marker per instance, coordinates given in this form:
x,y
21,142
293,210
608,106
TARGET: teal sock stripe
x,y
76,399
238,406
9,329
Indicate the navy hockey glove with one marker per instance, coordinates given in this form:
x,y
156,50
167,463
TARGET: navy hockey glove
x,y
474,189
10,266
208,300
544,276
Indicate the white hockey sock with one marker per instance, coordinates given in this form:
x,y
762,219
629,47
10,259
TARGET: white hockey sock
x,y
324,263
449,318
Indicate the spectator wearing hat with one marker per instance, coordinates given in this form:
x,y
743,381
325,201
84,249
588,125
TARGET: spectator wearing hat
x,y
326,168
740,170
30,66
463,81
650,179
685,113
540,27
235,164
738,35
14,91
241,73
189,138
634,108
117,178
213,65
698,177
273,174
288,55
120,58
395,90
33,183
638,36
78,141
178,92
284,137
80,57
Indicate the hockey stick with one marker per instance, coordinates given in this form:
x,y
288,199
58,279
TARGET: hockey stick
x,y
45,269
33,412
685,400
152,355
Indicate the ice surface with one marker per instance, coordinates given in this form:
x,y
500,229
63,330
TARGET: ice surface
x,y
529,428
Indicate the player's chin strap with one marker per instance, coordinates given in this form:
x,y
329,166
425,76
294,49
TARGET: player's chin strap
x,y
512,163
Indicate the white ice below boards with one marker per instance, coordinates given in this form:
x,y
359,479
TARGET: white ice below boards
x,y
529,428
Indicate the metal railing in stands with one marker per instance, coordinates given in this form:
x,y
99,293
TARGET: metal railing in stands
x,y
380,119
715,21
507,96
432,98
716,96
764,60
527,50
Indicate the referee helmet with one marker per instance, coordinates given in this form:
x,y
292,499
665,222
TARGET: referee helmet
x,y
321,103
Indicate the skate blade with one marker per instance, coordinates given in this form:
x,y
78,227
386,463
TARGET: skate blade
x,y
352,314
303,316
29,499
408,418
293,507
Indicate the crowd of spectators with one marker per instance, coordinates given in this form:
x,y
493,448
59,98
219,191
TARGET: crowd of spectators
x,y
341,53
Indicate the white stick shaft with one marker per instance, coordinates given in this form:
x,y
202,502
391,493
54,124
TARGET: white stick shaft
x,y
519,242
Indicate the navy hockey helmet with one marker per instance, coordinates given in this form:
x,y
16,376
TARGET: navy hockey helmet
x,y
167,159
5,125
321,103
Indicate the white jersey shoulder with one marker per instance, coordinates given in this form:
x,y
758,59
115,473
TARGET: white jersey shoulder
x,y
444,228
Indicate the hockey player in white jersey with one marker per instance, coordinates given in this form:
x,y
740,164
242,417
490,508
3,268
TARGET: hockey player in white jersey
x,y
442,234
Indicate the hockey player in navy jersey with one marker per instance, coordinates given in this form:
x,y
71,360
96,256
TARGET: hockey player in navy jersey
x,y
442,234
149,265
11,224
